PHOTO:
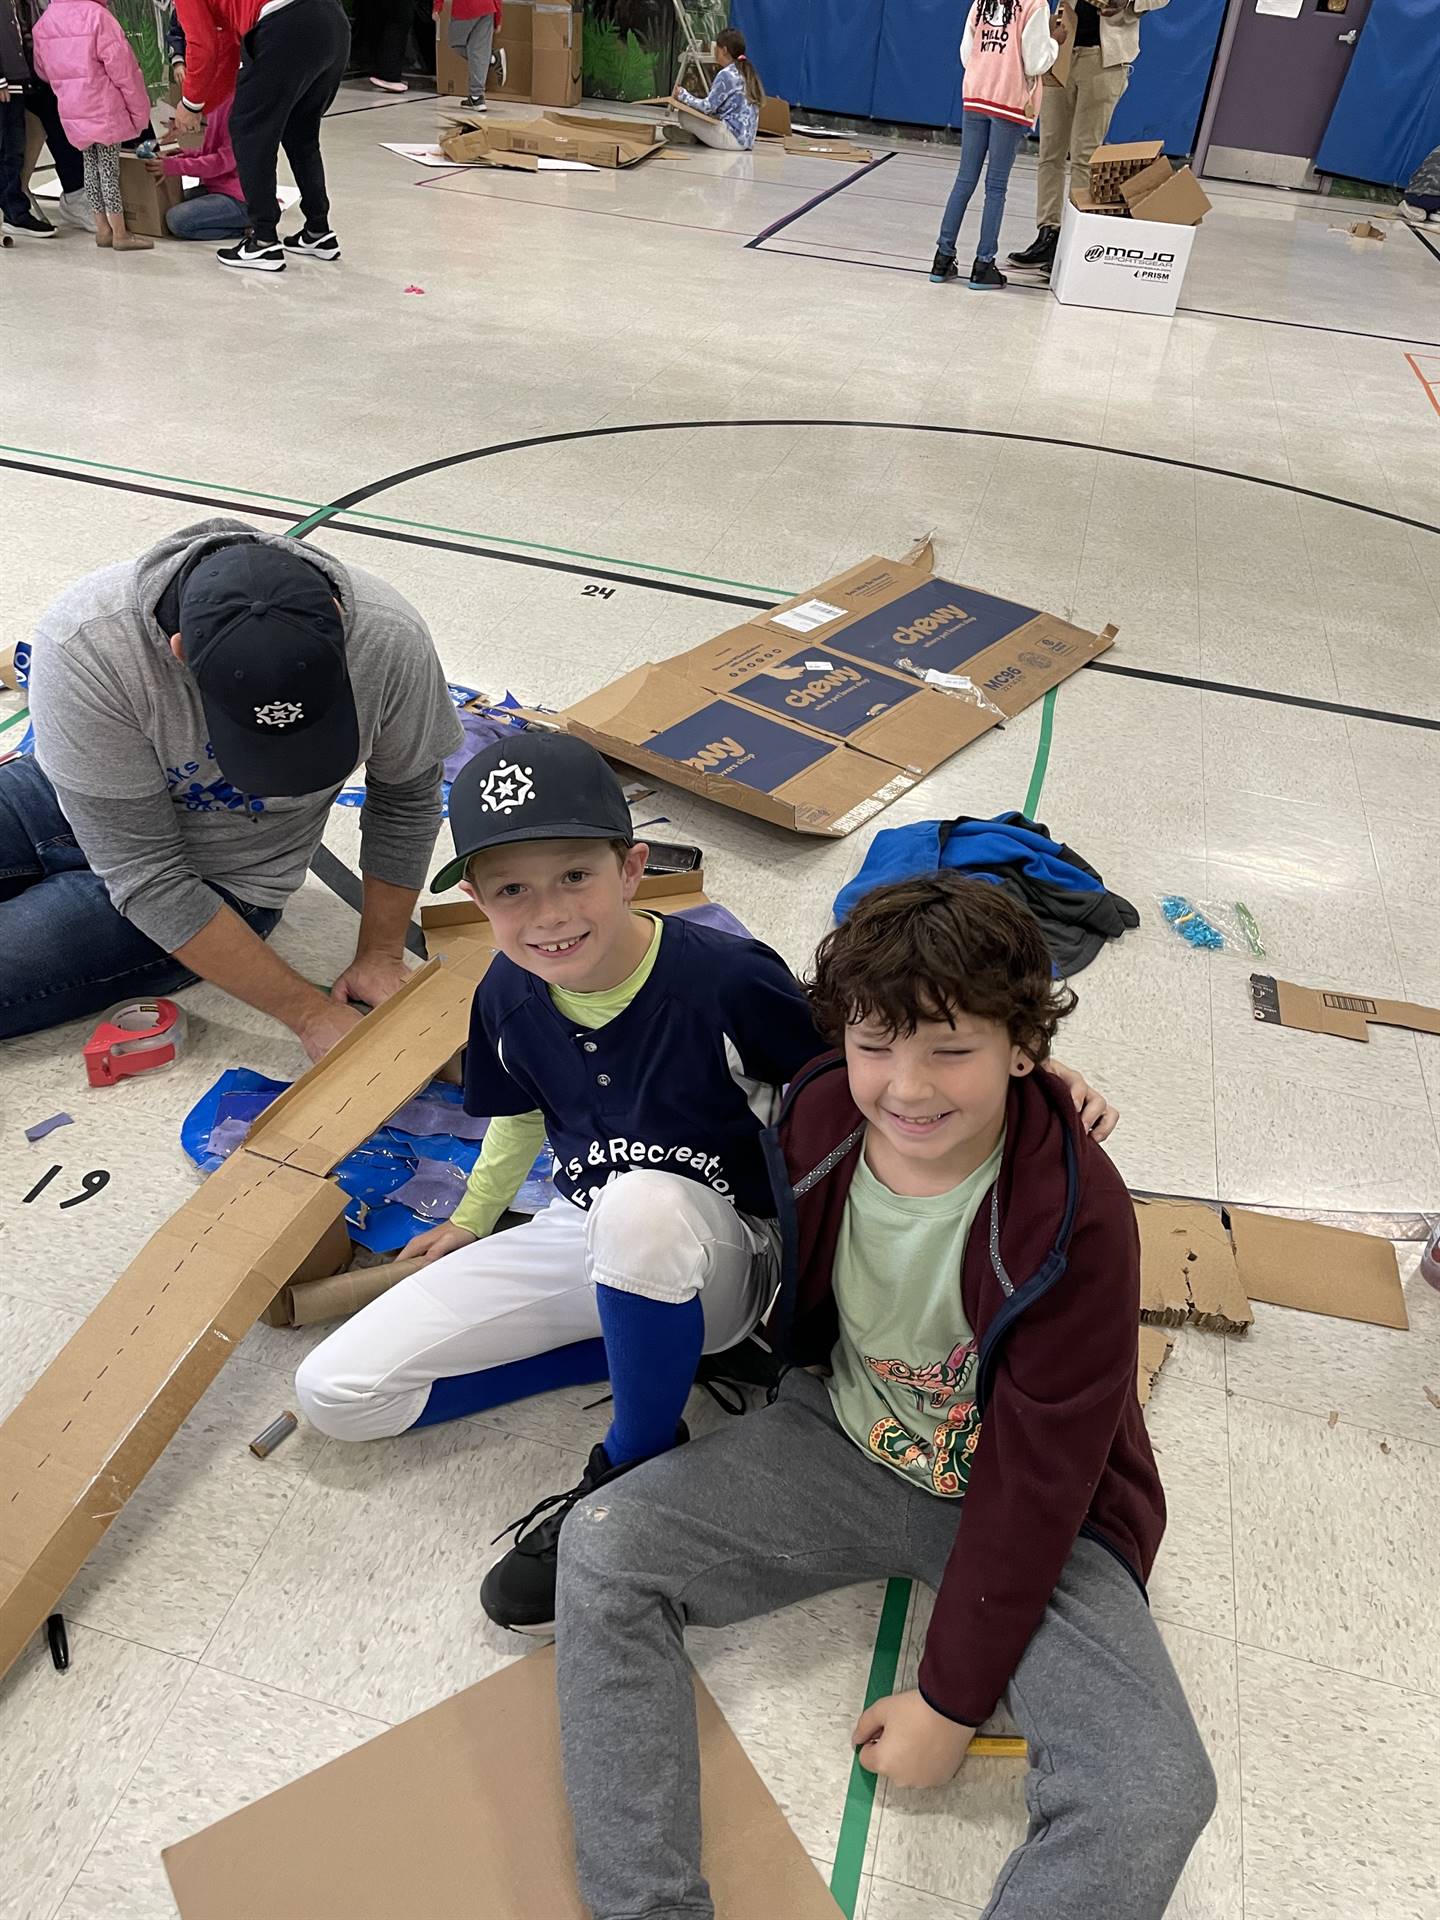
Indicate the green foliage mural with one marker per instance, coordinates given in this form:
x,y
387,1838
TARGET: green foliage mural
x,y
145,22
632,46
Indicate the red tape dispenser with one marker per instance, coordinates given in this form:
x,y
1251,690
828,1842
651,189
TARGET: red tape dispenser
x,y
138,1036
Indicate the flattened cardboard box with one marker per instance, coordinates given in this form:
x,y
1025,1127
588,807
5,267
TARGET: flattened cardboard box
x,y
522,144
1187,1268
94,1423
1348,1016
1319,1269
460,1814
815,714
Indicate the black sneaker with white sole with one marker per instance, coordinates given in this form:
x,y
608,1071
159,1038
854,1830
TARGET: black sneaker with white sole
x,y
312,246
258,255
28,226
472,105
519,1590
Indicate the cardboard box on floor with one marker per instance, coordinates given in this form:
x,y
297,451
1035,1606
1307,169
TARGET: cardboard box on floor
x,y
1140,267
522,144
460,1814
94,1423
1348,1016
543,44
146,200
813,714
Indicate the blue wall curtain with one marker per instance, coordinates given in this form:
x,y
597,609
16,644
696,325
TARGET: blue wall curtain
x,y
1388,115
900,60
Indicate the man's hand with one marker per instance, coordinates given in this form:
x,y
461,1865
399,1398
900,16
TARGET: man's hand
x,y
903,1738
1097,1116
326,1023
371,978
1059,28
187,120
436,1242
155,170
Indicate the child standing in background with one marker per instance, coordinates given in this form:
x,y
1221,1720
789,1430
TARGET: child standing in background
x,y
1007,46
81,50
473,27
734,100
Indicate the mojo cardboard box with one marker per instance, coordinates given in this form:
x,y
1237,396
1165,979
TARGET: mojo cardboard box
x,y
819,712
100,1415
1137,267
460,1814
523,144
145,199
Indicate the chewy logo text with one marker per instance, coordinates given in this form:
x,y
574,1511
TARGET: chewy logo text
x,y
806,696
932,623
715,755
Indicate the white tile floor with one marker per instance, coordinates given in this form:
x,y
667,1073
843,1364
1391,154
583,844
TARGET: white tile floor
x,y
245,1621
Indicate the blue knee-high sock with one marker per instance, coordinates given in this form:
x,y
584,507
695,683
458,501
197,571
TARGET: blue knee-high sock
x,y
653,1348
580,1365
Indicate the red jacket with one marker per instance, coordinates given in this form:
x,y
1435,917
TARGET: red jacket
x,y
471,10
213,32
1063,1448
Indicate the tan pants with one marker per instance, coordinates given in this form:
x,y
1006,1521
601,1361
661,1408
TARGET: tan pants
x,y
1074,119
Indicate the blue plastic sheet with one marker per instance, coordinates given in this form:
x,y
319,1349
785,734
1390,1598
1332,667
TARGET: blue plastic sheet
x,y
373,1172
1388,115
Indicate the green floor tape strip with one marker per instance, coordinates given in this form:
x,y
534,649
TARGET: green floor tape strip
x,y
318,514
890,1634
855,1824
15,719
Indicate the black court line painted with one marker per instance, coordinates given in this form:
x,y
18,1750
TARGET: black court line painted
x,y
1429,246
1209,313
829,193
413,98
1262,693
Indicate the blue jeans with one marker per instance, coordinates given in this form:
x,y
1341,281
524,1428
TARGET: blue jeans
x,y
207,216
981,135
64,950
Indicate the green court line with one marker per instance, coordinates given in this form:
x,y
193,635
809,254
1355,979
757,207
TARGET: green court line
x,y
15,719
860,1799
319,512
889,1635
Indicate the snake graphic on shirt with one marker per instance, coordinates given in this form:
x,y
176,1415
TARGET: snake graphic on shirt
x,y
945,1387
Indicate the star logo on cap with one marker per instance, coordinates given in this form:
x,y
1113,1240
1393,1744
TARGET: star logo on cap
x,y
279,713
506,787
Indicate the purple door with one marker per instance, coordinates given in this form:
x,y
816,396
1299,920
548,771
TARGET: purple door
x,y
1280,85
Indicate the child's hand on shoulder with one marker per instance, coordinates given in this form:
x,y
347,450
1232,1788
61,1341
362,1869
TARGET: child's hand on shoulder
x,y
1097,1116
906,1740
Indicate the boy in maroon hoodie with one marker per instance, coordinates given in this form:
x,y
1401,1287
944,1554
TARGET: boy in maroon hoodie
x,y
960,1309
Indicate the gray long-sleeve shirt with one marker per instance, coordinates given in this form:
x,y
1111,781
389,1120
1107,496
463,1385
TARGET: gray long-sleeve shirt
x,y
120,732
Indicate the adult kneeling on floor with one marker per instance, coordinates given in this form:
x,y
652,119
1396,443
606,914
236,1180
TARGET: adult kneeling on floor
x,y
295,53
196,712
1075,117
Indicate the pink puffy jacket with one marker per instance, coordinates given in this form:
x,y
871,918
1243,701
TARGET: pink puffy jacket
x,y
81,49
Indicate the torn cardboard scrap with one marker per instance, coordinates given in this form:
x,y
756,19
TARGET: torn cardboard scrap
x,y
1155,1346
836,149
94,1423
1348,1016
1187,1268
1298,1263
741,719
465,1804
588,137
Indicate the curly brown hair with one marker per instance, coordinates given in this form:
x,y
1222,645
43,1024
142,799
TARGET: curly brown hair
x,y
928,949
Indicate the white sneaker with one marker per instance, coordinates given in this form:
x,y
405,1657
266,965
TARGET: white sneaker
x,y
1417,216
73,210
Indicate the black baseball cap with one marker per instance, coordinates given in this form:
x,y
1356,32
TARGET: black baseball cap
x,y
532,786
265,642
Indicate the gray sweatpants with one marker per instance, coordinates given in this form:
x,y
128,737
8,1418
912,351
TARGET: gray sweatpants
x,y
474,38
781,1506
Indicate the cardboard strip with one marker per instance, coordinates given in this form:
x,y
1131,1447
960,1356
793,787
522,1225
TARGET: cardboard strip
x,y
1347,1016
1155,1348
460,1814
1296,1263
1187,1269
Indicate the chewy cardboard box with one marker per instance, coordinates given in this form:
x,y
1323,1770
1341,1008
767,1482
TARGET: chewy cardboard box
x,y
1106,258
471,141
100,1415
146,200
816,714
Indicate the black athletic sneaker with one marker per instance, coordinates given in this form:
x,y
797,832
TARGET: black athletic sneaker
x,y
1041,250
986,277
748,1364
255,254
29,226
312,246
472,105
519,1590
943,267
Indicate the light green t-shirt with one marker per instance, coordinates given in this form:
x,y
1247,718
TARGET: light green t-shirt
x,y
903,1379
513,1140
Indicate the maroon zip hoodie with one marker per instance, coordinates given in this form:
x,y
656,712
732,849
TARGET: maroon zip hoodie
x,y
1051,1287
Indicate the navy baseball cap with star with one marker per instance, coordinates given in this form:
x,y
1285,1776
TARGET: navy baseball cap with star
x,y
265,641
532,786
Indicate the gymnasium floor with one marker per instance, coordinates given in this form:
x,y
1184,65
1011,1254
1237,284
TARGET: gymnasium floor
x,y
1250,493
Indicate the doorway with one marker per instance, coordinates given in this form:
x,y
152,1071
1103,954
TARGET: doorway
x,y
1279,73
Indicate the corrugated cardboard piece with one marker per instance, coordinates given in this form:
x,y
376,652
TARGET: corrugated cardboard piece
x,y
471,141
1298,1263
1187,1268
1059,74
100,1415
1155,1345
460,1814
1348,1016
815,714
